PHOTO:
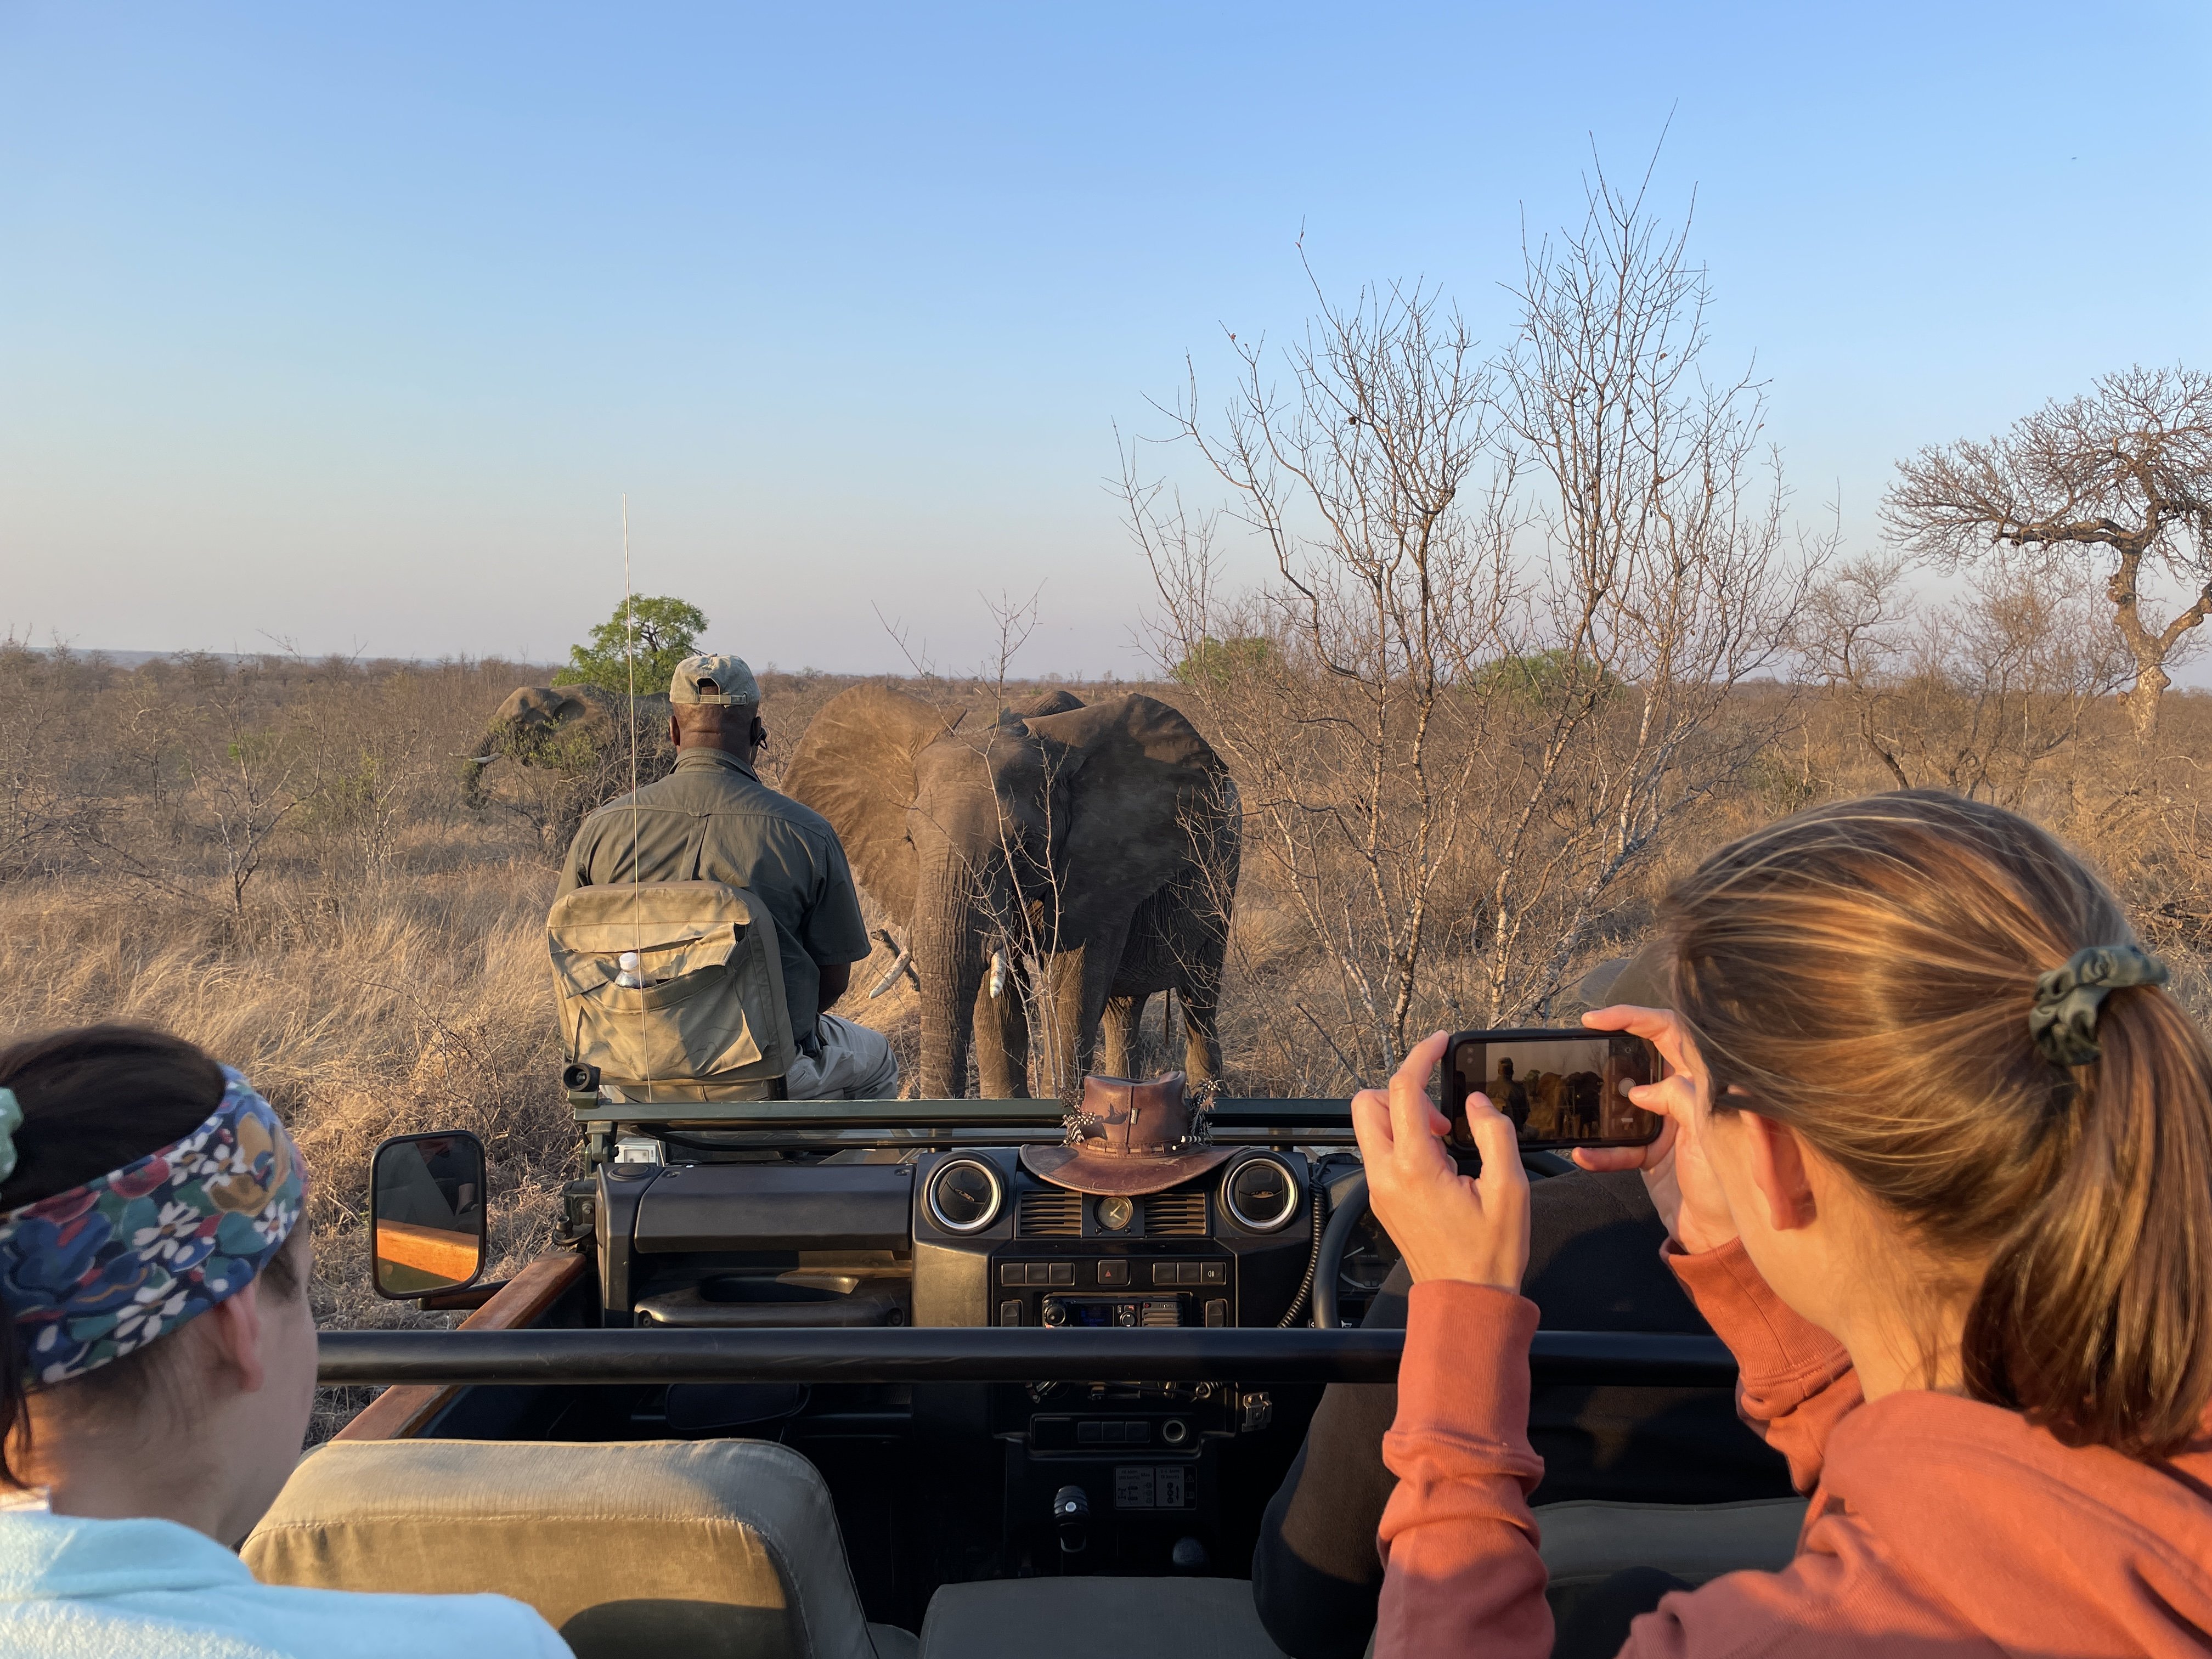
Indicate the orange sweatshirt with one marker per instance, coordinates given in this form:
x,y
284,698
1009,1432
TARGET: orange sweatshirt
x,y
1938,1526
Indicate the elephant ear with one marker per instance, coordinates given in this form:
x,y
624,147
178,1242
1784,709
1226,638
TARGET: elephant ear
x,y
1058,701
855,767
1137,773
580,702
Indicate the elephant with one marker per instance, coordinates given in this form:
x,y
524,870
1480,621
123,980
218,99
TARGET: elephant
x,y
1083,857
572,742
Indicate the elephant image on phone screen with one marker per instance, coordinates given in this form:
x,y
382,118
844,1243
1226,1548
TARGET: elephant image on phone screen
x,y
1051,868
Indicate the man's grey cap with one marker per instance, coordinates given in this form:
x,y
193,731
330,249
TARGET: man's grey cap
x,y
716,681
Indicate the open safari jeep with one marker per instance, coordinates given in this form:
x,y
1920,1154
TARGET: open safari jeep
x,y
819,1378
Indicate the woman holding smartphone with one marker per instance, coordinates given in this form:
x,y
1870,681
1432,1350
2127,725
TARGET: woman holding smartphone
x,y
1938,1168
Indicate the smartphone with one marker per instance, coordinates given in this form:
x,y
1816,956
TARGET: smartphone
x,y
1559,1088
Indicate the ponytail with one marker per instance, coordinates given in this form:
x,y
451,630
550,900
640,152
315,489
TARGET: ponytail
x,y
1864,973
2093,1317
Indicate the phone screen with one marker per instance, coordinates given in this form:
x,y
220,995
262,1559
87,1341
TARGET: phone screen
x,y
1558,1088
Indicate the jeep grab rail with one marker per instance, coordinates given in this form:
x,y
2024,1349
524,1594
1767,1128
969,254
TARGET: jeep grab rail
x,y
988,1354
1250,1120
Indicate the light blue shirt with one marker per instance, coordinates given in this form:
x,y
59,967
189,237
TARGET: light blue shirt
x,y
74,1589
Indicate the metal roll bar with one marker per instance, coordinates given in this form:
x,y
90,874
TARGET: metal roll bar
x,y
545,1357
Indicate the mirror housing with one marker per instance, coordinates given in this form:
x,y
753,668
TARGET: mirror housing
x,y
427,1214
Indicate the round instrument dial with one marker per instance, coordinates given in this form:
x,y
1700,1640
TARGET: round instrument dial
x,y
965,1195
1261,1194
1114,1214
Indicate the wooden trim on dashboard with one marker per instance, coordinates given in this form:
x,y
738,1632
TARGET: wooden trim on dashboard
x,y
400,1414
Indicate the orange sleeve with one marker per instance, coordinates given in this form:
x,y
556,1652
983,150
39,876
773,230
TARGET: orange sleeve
x,y
1795,1381
1457,1539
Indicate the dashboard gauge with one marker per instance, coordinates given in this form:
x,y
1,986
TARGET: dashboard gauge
x,y
965,1195
1114,1214
1261,1194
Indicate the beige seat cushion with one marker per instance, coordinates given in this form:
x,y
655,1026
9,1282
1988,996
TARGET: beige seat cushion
x,y
1587,1540
1096,1619
723,1549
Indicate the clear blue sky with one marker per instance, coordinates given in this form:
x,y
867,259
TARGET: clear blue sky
x,y
349,323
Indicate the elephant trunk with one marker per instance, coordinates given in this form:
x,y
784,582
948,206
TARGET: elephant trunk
x,y
488,748
949,956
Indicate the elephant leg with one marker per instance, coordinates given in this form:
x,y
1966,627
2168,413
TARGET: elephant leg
x,y
1201,1007
1082,979
1119,1028
1201,1031
1002,1043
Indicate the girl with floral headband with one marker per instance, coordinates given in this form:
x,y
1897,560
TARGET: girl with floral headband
x,y
1937,1166
157,1369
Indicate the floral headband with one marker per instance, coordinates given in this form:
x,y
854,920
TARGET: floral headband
x,y
92,1273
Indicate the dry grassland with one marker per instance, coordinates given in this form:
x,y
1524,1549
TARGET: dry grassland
x,y
275,862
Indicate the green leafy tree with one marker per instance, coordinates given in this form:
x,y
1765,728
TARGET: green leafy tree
x,y
1217,663
1545,679
667,632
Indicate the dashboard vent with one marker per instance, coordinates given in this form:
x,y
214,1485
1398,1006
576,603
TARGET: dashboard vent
x,y
1176,1215
1051,1213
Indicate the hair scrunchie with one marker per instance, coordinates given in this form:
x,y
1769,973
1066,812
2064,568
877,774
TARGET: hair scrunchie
x,y
2064,1021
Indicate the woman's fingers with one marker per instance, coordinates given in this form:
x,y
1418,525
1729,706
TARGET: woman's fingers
x,y
1657,1025
1370,1123
1500,1146
1609,1158
1445,1225
1673,1097
1413,1116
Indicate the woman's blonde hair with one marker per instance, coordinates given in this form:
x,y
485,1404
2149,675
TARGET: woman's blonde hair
x,y
1864,973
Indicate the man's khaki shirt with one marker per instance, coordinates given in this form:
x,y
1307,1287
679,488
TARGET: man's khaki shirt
x,y
712,820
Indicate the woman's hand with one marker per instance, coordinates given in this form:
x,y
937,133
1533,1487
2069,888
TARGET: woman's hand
x,y
1448,1225
1683,1187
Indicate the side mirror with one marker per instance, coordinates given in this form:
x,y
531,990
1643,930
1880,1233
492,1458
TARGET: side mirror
x,y
426,1213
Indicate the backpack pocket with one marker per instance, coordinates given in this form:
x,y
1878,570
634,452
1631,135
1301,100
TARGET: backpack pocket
x,y
710,1007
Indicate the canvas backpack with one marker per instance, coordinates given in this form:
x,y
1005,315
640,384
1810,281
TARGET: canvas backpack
x,y
709,1014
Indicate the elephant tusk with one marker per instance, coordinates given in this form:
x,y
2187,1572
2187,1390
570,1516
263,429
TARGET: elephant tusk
x,y
903,964
477,760
998,975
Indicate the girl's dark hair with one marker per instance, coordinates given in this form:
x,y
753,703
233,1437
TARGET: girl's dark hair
x,y
94,1100
1864,973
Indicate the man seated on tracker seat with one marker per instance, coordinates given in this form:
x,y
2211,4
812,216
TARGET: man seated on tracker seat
x,y
712,819
1594,1265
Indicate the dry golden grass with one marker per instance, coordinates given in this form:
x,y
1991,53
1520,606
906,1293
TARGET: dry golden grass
x,y
385,971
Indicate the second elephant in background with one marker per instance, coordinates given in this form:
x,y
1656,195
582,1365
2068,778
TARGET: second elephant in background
x,y
1074,862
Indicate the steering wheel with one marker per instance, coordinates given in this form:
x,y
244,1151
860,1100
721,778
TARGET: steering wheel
x,y
1329,1261
1343,1220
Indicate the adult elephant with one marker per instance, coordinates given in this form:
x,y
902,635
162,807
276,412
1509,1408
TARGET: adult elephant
x,y
572,746
1071,862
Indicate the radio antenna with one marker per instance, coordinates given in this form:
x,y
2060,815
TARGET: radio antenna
x,y
629,659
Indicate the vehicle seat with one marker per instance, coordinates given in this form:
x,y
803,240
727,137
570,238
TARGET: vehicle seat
x,y
725,1549
1587,1540
1096,1619
1584,1542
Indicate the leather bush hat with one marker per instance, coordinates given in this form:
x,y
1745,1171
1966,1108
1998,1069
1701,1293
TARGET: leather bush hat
x,y
1125,1139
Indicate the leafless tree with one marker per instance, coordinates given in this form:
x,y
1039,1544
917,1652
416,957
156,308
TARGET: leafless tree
x,y
1974,694
1854,634
1386,508
1511,599
1669,577
2123,474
